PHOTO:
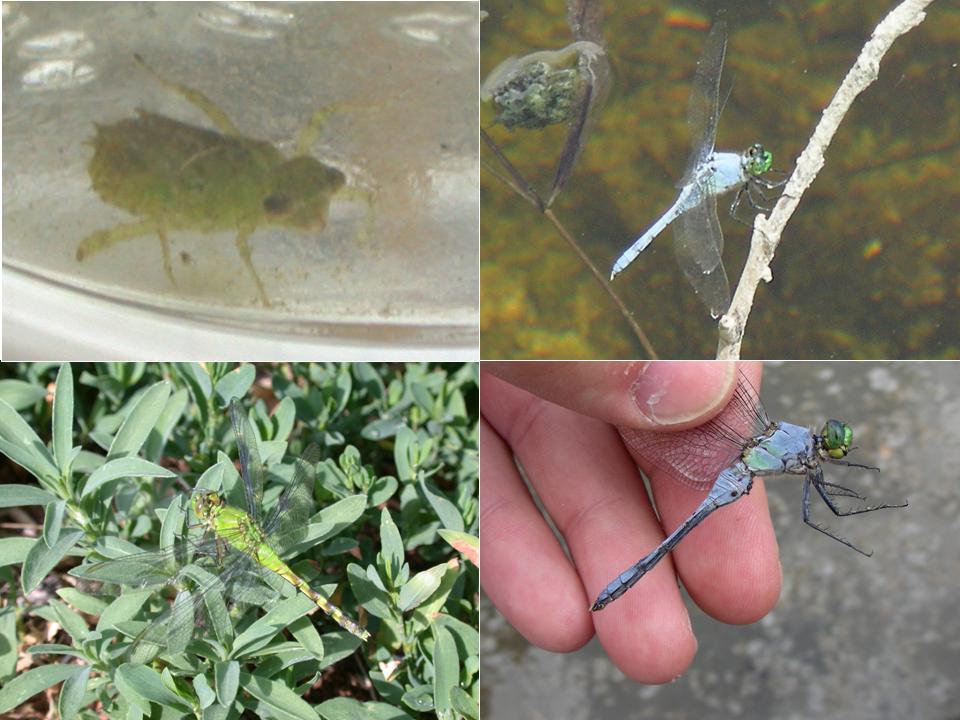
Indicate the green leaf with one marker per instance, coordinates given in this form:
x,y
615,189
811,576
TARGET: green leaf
x,y
17,495
306,633
403,449
143,417
382,490
81,601
122,467
420,587
235,384
375,600
383,428
14,550
369,379
63,419
465,704
391,544
141,685
205,695
343,708
276,698
445,510
75,625
123,609
198,380
9,642
33,681
42,559
466,544
21,444
171,414
20,394
172,522
53,521
284,416
227,675
446,672
71,695
278,618
419,698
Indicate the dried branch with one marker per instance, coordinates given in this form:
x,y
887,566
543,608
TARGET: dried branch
x,y
767,231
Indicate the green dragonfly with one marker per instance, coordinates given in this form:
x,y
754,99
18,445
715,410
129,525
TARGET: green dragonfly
x,y
240,554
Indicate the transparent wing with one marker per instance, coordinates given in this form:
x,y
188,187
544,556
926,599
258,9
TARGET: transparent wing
x,y
703,110
288,520
696,456
251,468
149,569
698,246
191,610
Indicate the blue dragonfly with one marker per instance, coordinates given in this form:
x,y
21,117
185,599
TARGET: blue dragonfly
x,y
725,455
698,239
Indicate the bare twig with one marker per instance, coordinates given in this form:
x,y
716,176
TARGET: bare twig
x,y
767,231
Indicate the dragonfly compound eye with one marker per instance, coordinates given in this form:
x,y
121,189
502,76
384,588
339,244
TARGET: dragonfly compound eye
x,y
761,160
837,438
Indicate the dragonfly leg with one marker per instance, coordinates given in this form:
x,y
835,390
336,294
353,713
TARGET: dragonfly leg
x,y
841,491
772,184
827,491
807,481
854,465
735,205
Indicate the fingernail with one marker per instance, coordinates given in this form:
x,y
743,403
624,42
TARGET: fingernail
x,y
672,393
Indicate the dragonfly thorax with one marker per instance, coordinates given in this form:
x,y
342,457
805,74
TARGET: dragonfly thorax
x,y
835,440
207,504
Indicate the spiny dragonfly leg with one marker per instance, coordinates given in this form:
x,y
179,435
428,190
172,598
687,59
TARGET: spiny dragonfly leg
x,y
854,465
807,481
772,184
754,191
841,491
735,205
823,489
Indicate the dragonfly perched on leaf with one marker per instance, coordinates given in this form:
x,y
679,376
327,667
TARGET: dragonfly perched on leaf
x,y
698,239
239,557
725,454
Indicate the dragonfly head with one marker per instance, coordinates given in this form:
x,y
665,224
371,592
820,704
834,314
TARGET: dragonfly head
x,y
206,504
757,160
835,439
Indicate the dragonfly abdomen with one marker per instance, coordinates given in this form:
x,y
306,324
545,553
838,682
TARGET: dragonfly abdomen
x,y
335,613
733,483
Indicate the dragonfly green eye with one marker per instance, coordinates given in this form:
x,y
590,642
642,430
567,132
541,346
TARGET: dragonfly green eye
x,y
837,438
760,160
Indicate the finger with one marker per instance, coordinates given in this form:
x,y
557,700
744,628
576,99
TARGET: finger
x,y
526,573
644,395
730,562
592,491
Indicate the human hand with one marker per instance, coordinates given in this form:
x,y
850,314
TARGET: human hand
x,y
559,420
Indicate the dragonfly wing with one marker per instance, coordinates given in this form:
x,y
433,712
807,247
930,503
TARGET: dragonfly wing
x,y
251,468
193,609
696,456
148,569
703,109
288,519
698,245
